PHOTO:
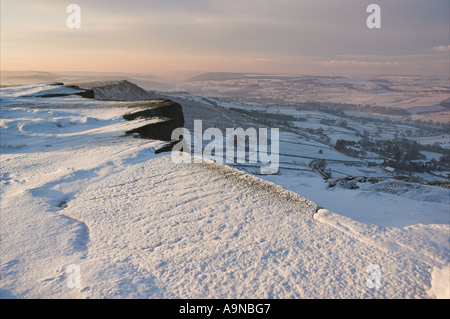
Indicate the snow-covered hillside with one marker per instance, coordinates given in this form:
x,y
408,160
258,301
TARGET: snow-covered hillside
x,y
363,189
76,191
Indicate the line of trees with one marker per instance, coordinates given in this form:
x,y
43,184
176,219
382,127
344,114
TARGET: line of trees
x,y
401,154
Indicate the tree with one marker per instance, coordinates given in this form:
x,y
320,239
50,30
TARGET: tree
x,y
340,146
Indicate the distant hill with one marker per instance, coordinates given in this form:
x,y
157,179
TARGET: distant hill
x,y
217,76
27,77
225,76
120,91
146,81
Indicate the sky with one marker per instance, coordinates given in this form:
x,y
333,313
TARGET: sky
x,y
262,36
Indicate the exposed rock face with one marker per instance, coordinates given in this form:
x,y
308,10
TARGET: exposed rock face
x,y
62,90
86,93
169,113
157,131
166,148
158,108
163,116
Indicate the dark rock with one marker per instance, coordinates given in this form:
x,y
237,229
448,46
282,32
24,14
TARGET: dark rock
x,y
167,147
168,112
157,131
50,95
87,94
158,108
63,204
70,86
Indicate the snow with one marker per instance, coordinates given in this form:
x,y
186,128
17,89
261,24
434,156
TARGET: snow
x,y
379,204
415,94
431,155
439,283
140,226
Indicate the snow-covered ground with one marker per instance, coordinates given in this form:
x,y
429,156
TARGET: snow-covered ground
x,y
420,96
389,203
76,191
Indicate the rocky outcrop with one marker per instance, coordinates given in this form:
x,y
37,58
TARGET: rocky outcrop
x,y
158,108
86,93
62,90
164,115
157,131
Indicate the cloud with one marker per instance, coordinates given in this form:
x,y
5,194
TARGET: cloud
x,y
282,35
441,48
358,63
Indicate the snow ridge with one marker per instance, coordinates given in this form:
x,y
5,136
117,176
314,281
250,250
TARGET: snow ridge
x,y
386,239
256,183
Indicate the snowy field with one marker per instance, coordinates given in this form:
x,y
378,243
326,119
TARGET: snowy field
x,y
414,94
76,191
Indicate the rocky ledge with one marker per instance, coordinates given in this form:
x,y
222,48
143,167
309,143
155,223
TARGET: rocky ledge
x,y
165,116
162,116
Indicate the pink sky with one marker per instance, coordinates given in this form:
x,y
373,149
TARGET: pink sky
x,y
234,36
